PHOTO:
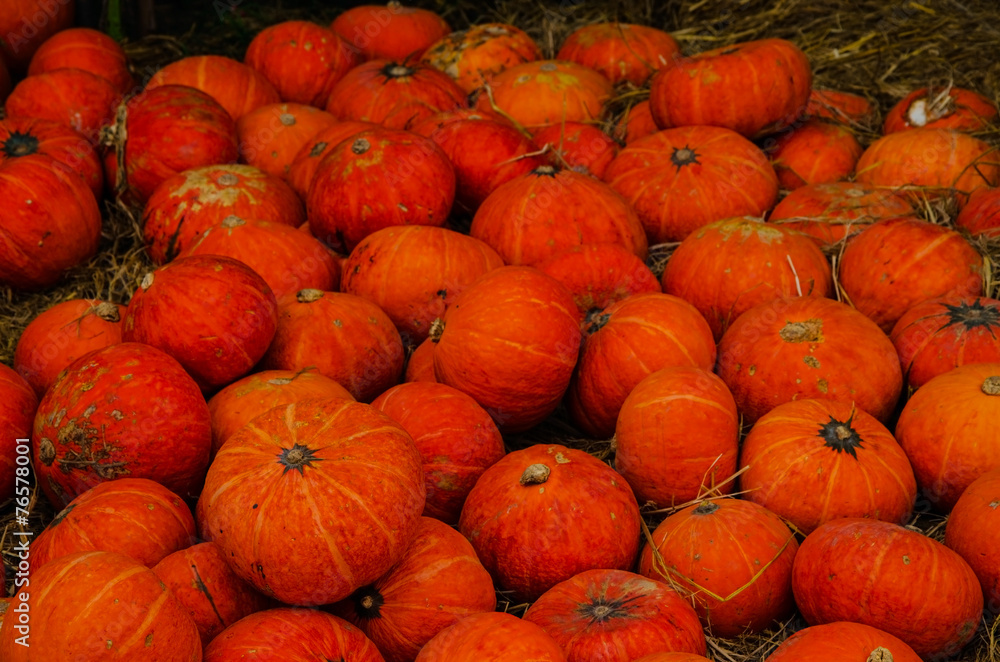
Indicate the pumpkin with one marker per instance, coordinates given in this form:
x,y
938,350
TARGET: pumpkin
x,y
72,152
245,399
270,136
474,55
438,581
491,637
543,92
27,24
232,84
287,634
946,432
50,223
616,616
413,273
485,150
456,438
310,155
577,146
681,179
810,461
774,262
636,123
732,558
883,575
288,260
299,477
971,532
136,395
420,364
626,342
200,579
393,93
60,335
136,517
213,314
933,108
510,340
842,640
123,612
346,337
929,163
87,49
536,215
527,518
653,431
190,202
894,264
831,212
390,31
598,275
672,657
301,60
839,106
18,404
938,335
752,88
981,216
379,179
620,51
154,123
815,152
808,347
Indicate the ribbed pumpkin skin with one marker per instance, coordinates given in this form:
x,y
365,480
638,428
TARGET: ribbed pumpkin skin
x,y
773,261
938,335
123,613
75,98
623,344
543,92
201,580
637,123
473,56
160,119
842,640
981,216
534,216
18,404
136,395
187,204
734,556
830,212
959,109
806,347
420,365
287,634
653,434
213,314
313,500
527,527
136,517
62,334
379,179
245,399
811,461
232,84
22,136
839,106
616,616
23,36
414,273
302,60
51,222
620,51
750,87
947,431
393,93
438,581
681,179
310,155
895,264
347,338
579,147
972,533
884,575
87,49
491,637
511,341
270,136
392,30
816,152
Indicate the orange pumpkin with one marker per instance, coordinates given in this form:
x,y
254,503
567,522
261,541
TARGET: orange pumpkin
x,y
981,216
580,147
972,533
949,108
815,152
491,637
420,364
18,404
620,51
87,49
839,106
270,136
842,640
79,99
474,55
235,86
636,123
392,31
25,136
305,162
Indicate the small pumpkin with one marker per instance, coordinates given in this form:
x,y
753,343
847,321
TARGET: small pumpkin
x,y
577,146
232,84
491,637
87,49
78,99
393,30
473,56
839,106
620,51
815,152
24,136
934,108
842,640
972,533
270,136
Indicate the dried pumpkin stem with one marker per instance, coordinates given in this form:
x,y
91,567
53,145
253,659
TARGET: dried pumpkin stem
x,y
536,474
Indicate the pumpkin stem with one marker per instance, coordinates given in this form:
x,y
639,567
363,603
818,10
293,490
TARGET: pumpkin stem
x,y
972,315
601,610
147,281
683,156
367,602
705,508
880,654
309,295
436,330
810,330
287,119
297,457
395,70
107,312
548,66
20,144
536,474
545,171
841,437
991,385
596,320
360,146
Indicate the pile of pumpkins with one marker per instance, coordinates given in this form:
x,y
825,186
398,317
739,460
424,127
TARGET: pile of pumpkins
x,y
293,441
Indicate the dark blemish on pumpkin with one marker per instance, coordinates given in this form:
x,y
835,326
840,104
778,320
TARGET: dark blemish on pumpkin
x,y
372,320
752,370
200,585
822,385
62,515
260,569
357,269
906,560
993,504
442,293
149,640
317,149
338,323
172,249
255,506
811,361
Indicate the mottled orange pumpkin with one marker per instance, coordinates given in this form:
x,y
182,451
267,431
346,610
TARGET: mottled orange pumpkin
x,y
840,106
87,49
981,215
420,364
270,136
392,30
71,150
310,155
474,55
577,146
815,152
491,637
839,641
235,86
620,51
972,532
81,100
936,108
